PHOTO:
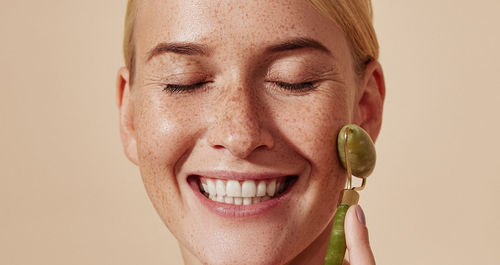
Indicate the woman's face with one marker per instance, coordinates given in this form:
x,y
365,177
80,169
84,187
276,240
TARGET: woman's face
x,y
228,99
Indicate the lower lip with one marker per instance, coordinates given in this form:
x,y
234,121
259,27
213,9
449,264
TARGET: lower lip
x,y
239,211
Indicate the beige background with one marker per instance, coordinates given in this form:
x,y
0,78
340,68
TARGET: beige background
x,y
69,196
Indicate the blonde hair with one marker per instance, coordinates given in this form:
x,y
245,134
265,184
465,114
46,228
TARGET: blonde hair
x,y
354,17
128,38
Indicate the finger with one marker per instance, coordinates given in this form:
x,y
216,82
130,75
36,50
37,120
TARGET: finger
x,y
356,235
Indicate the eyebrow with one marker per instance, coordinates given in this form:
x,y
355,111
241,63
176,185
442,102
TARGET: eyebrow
x,y
183,48
298,43
188,48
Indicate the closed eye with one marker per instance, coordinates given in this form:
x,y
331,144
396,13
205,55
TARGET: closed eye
x,y
304,86
177,88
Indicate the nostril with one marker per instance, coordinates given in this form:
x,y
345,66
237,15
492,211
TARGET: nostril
x,y
260,147
217,146
239,144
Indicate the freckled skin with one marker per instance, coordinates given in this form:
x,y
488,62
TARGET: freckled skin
x,y
241,121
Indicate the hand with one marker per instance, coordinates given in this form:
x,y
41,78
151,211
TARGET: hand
x,y
356,234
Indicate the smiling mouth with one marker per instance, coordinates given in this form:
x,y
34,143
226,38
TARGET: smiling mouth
x,y
243,192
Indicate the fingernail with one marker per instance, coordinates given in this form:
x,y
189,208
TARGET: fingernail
x,y
360,214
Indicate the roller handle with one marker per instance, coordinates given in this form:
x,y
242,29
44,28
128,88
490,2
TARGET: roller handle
x,y
337,246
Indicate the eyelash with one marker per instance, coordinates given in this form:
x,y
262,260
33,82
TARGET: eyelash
x,y
305,86
175,88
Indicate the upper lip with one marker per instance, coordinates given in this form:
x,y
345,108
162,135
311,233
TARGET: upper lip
x,y
232,175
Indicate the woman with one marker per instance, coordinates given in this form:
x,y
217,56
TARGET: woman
x,y
231,111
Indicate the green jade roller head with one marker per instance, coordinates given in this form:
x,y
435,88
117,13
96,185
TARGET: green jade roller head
x,y
357,155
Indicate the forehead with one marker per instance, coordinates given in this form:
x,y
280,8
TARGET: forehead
x,y
238,25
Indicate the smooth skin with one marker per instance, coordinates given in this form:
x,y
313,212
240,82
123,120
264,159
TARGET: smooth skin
x,y
234,62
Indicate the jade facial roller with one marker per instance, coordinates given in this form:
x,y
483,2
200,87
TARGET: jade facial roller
x,y
357,154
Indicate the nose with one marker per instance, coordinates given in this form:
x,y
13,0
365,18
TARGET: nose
x,y
238,124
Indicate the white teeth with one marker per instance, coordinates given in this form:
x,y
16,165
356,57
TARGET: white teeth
x,y
211,186
241,193
228,199
248,189
247,201
233,188
220,187
271,188
261,188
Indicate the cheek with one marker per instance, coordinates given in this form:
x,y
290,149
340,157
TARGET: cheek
x,y
164,135
311,126
164,130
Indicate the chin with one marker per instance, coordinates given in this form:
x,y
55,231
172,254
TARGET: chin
x,y
244,247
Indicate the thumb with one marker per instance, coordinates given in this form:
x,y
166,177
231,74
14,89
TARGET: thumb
x,y
356,235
